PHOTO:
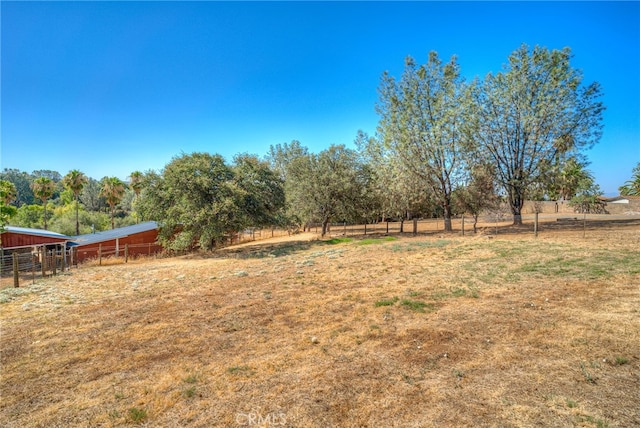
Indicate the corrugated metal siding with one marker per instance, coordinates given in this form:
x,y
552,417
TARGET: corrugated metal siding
x,y
11,239
143,243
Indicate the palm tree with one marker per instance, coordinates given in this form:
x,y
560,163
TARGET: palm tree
x,y
43,188
112,190
136,184
632,187
75,181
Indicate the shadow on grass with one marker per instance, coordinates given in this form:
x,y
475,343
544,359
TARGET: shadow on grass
x,y
264,250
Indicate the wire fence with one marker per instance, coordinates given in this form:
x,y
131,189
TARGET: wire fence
x,y
39,261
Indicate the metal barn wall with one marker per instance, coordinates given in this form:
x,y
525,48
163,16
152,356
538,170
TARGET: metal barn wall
x,y
12,239
140,244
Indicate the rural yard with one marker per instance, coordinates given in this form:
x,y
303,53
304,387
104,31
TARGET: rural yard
x,y
505,330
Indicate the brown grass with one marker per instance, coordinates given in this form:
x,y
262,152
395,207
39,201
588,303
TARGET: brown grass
x,y
434,330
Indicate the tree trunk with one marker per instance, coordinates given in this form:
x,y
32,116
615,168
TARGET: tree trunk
x,y
45,214
517,219
446,206
325,223
77,220
517,201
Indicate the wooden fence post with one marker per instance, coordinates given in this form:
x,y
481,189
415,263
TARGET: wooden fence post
x,y
63,257
34,259
43,259
54,259
535,225
100,254
462,224
415,225
126,253
16,273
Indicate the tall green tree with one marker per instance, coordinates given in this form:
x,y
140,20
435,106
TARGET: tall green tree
x,y
260,191
587,197
136,180
332,185
201,200
75,181
112,190
632,187
8,192
281,158
478,194
532,114
421,120
397,192
22,181
43,188
91,196
7,195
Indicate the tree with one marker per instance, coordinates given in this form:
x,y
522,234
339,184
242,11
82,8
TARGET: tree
x,y
91,196
22,182
478,194
7,195
330,185
43,188
112,190
260,191
202,201
136,182
587,197
421,120
632,187
531,115
75,181
7,192
281,155
394,189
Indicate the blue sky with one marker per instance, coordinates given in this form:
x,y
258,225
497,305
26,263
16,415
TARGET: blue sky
x,y
113,87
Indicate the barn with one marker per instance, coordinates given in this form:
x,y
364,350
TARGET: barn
x,y
136,240
22,237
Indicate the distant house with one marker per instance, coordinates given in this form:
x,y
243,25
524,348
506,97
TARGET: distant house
x,y
22,237
623,204
138,239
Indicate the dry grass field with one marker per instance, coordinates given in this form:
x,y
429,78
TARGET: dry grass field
x,y
387,331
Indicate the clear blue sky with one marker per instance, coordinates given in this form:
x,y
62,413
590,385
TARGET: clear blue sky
x,y
113,87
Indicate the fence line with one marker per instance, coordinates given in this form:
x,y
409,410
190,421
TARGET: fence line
x,y
35,261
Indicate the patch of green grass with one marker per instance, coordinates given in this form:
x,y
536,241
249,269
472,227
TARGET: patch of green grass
x,y
458,374
621,361
191,379
190,392
137,415
335,241
388,302
246,370
370,241
416,305
599,423
571,404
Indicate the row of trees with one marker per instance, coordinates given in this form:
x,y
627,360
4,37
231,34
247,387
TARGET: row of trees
x,y
21,190
443,146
